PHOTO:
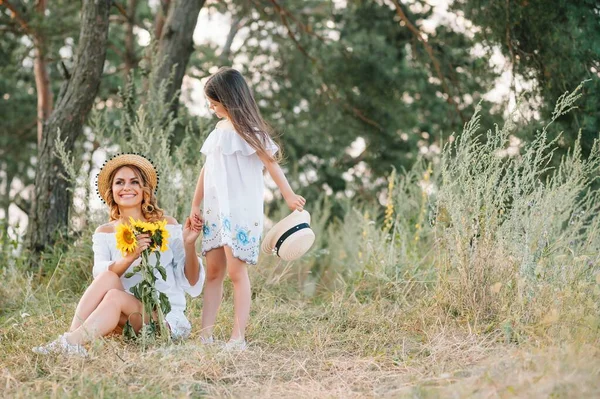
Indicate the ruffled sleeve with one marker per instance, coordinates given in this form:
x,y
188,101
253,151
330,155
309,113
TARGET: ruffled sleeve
x,y
210,143
228,142
271,147
176,244
102,257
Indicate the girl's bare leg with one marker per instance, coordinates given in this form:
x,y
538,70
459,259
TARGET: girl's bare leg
x,y
93,295
216,265
238,272
108,315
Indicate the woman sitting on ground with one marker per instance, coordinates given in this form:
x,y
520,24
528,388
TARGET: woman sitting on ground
x,y
127,184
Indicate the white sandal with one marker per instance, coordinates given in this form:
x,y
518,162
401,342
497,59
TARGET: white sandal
x,y
61,346
237,345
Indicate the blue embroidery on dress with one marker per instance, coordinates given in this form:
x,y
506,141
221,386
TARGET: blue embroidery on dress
x,y
242,240
242,236
227,223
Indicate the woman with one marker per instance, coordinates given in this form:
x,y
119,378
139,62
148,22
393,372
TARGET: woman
x,y
127,184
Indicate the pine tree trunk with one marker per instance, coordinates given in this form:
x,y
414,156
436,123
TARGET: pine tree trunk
x,y
130,59
10,175
176,45
52,198
42,78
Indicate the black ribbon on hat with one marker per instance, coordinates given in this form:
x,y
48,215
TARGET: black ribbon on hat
x,y
288,233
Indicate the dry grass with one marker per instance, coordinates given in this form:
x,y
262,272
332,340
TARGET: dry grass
x,y
486,284
330,346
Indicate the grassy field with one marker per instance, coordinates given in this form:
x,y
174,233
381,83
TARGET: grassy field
x,y
333,346
479,278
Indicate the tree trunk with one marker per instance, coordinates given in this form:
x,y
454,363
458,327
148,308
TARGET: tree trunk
x,y
176,45
6,204
159,22
130,59
236,24
52,198
42,78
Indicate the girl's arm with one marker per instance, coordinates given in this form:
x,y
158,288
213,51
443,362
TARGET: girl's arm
x,y
197,201
294,201
192,265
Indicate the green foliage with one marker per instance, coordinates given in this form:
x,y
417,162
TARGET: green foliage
x,y
148,128
553,53
153,302
353,72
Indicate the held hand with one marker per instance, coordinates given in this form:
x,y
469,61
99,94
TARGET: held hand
x,y
196,220
190,234
295,202
143,243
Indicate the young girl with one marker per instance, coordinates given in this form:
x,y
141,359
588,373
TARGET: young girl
x,y
232,188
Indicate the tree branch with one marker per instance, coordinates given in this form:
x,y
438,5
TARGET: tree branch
x,y
282,15
306,28
333,96
436,64
17,17
236,24
327,90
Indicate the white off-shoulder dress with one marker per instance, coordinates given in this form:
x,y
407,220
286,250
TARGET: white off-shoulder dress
x,y
233,193
176,285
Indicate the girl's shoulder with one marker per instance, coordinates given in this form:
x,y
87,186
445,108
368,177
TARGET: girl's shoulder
x,y
225,125
225,140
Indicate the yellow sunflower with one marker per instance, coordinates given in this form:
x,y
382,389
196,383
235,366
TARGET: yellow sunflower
x,y
161,227
143,227
126,241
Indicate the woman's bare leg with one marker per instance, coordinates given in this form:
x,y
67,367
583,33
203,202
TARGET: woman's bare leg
x,y
238,272
107,316
216,265
93,295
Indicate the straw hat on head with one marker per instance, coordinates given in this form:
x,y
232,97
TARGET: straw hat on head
x,y
114,163
290,238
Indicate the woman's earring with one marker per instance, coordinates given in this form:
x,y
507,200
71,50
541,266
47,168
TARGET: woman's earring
x,y
149,208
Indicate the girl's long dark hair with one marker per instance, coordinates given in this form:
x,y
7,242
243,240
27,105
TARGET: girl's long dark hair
x,y
228,87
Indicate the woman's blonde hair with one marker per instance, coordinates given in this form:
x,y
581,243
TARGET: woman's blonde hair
x,y
228,87
150,208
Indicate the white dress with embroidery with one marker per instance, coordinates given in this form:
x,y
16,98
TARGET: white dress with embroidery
x,y
173,260
233,193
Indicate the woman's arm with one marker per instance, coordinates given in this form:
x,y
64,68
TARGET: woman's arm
x,y
293,200
120,266
102,257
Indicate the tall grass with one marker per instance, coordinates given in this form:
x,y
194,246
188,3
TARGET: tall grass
x,y
496,242
440,292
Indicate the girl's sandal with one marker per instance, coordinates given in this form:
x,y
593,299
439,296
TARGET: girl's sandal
x,y
237,345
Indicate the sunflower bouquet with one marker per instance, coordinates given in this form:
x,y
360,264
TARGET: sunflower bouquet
x,y
154,303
